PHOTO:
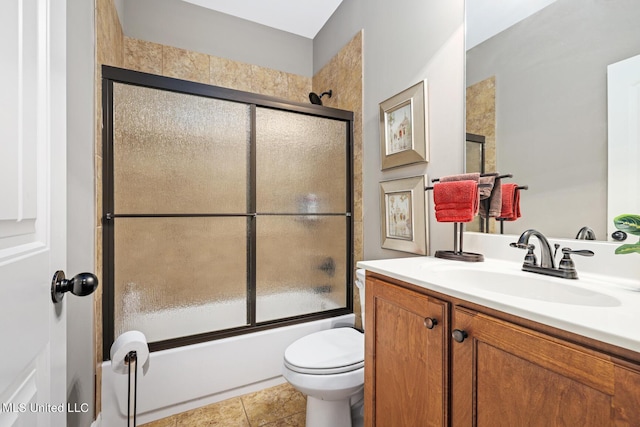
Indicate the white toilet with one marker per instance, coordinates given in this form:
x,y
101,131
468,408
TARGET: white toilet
x,y
328,366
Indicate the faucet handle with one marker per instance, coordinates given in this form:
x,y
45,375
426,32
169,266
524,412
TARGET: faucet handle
x,y
530,257
519,245
582,252
567,264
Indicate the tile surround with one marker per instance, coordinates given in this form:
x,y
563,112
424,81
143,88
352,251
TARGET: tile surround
x,y
109,51
481,116
481,120
343,75
227,73
185,65
154,58
143,56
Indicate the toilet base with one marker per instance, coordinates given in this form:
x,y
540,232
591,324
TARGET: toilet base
x,y
357,410
323,413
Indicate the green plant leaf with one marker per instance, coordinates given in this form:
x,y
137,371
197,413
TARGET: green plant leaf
x,y
628,223
628,249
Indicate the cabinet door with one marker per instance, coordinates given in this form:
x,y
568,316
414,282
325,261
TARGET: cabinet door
x,y
405,366
507,375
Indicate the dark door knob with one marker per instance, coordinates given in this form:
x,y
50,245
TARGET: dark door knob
x,y
459,335
81,285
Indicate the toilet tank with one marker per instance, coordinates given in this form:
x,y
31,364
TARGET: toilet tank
x,y
360,283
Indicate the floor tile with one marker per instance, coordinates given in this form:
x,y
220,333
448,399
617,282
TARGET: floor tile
x,y
273,404
297,420
164,422
224,414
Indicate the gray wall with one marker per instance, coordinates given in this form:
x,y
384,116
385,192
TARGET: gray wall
x,y
405,41
119,4
80,205
551,108
187,26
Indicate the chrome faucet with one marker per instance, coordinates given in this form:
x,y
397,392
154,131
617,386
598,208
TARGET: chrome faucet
x,y
586,233
566,269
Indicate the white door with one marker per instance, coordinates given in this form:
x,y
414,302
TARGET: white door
x,y
32,212
623,102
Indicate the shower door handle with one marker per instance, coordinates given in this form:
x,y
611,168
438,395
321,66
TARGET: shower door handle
x,y
80,285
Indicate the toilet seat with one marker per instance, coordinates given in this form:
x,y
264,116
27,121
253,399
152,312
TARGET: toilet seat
x,y
331,351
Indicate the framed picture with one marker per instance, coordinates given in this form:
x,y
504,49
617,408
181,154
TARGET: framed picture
x,y
403,206
403,128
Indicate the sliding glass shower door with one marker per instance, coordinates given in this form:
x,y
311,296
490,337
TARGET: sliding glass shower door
x,y
224,212
179,172
301,200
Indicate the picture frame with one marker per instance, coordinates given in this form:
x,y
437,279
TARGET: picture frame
x,y
403,207
403,128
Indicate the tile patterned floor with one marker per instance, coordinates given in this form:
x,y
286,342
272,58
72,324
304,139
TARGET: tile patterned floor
x,y
279,406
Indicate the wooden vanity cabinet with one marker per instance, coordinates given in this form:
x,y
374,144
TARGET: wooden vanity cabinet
x,y
501,373
406,358
508,375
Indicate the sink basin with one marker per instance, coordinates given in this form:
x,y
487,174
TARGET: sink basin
x,y
525,285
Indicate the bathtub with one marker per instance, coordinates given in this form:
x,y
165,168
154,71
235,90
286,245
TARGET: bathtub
x,y
184,378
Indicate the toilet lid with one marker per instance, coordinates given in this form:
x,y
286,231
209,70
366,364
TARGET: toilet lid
x,y
326,352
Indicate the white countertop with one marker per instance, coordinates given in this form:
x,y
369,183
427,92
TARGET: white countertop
x,y
604,308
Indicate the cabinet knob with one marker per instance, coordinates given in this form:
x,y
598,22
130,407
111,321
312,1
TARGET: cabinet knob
x,y
459,335
430,322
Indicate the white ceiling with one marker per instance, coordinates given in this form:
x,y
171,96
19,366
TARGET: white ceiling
x,y
486,18
302,17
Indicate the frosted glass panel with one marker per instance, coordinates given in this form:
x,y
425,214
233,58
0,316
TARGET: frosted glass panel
x,y
176,277
178,153
301,163
300,266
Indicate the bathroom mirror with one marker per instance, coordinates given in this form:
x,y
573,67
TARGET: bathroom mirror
x,y
536,75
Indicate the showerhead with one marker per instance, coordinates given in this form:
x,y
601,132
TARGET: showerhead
x,y
317,99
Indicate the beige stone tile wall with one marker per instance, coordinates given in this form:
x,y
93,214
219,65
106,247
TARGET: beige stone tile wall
x,y
481,120
481,116
143,56
182,64
343,75
109,51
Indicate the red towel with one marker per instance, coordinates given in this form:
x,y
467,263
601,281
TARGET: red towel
x,y
456,201
510,202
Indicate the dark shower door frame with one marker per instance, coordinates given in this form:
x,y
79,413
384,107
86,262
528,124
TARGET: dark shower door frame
x,y
111,75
